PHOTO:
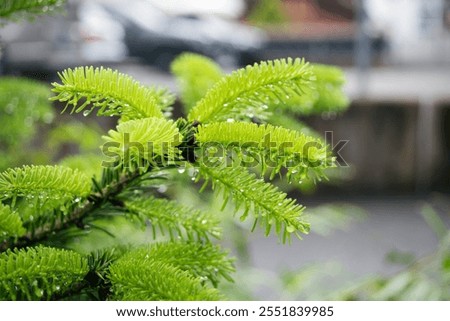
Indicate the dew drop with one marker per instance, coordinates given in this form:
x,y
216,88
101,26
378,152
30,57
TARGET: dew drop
x,y
192,172
181,170
48,118
290,229
162,188
38,292
86,113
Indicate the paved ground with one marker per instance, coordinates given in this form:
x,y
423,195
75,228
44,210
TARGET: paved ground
x,y
391,224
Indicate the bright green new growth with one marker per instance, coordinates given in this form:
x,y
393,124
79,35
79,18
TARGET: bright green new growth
x,y
270,206
174,219
39,273
144,138
248,92
113,93
10,223
272,146
195,74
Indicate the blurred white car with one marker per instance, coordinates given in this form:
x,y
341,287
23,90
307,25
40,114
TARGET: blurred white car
x,y
99,31
158,36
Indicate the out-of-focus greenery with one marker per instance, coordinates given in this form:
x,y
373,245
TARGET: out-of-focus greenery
x,y
267,13
23,106
20,9
24,110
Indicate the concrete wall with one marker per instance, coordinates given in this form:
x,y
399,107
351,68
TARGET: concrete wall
x,y
394,146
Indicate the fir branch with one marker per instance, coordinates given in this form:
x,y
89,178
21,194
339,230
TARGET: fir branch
x,y
10,223
329,83
95,200
134,280
195,75
38,273
164,99
113,93
145,139
177,220
276,147
325,94
43,181
270,206
248,92
150,273
205,261
18,8
289,121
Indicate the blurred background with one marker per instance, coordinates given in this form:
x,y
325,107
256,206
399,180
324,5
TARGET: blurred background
x,y
375,218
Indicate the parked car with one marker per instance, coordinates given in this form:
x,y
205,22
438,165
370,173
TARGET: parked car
x,y
157,37
85,33
105,31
